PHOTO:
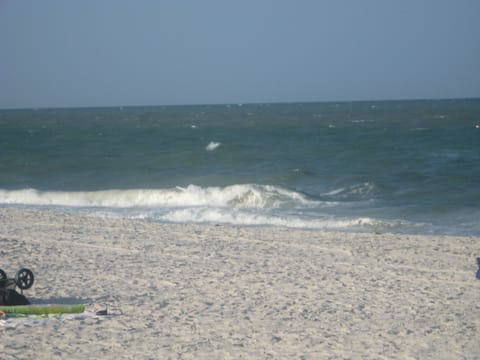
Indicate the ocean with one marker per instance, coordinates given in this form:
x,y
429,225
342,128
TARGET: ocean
x,y
378,166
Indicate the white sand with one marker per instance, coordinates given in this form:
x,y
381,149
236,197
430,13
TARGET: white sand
x,y
218,292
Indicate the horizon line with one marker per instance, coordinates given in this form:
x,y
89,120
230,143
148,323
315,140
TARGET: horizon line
x,y
35,108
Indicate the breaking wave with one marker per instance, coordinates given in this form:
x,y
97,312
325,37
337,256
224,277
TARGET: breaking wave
x,y
236,196
246,204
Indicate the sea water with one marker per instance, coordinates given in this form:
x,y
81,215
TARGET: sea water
x,y
389,166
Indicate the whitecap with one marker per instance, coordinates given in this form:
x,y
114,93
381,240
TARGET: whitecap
x,y
361,189
212,146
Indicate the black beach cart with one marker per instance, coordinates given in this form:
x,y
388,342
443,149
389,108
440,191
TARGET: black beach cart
x,y
23,280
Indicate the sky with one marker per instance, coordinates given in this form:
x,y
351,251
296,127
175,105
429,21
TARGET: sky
x,y
59,53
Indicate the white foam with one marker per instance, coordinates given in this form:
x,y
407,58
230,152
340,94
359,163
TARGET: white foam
x,y
235,196
240,217
242,204
212,146
361,189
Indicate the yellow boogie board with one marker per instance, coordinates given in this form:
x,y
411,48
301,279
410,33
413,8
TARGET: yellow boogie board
x,y
43,309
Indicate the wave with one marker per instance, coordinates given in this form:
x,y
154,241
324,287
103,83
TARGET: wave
x,y
244,217
241,217
235,196
243,205
361,190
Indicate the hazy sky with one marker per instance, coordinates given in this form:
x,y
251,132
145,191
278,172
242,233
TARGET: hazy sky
x,y
141,52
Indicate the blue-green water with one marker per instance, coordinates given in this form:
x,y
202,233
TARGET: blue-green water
x,y
399,166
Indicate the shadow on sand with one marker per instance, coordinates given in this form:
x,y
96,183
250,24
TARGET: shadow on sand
x,y
60,301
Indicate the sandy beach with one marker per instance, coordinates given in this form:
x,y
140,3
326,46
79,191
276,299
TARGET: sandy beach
x,y
176,291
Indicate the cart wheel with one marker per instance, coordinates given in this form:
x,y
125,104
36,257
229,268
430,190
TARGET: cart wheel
x,y
3,275
24,279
